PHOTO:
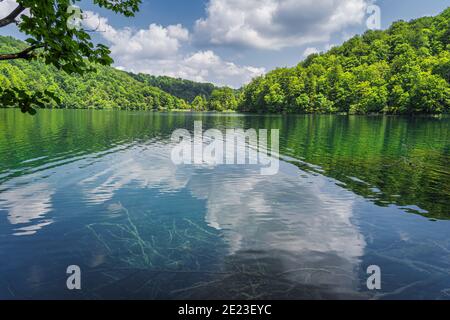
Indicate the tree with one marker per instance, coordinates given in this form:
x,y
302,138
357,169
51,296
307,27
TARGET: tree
x,y
52,39
180,88
403,70
106,88
223,99
275,98
199,103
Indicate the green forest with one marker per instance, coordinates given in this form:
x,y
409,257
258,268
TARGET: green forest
x,y
109,88
403,70
184,89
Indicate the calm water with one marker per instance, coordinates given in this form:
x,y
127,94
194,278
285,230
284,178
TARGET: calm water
x,y
99,190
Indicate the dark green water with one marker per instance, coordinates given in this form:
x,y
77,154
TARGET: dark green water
x,y
99,190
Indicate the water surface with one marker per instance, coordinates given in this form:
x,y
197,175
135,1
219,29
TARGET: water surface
x,y
98,189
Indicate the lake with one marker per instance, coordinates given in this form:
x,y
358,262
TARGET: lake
x,y
99,190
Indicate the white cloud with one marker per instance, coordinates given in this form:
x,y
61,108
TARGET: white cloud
x,y
178,32
201,66
154,42
157,51
310,50
6,7
275,24
329,46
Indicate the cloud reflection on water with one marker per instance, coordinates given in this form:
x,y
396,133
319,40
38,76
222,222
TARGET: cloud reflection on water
x,y
28,204
289,222
300,222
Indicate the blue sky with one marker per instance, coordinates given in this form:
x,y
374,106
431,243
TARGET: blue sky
x,y
228,42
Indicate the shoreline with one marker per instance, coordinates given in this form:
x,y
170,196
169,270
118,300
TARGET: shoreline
x,y
236,112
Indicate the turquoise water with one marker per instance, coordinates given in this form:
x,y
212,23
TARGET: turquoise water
x,y
98,189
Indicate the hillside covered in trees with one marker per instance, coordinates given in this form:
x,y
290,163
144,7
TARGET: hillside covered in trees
x,y
107,88
184,89
403,70
201,96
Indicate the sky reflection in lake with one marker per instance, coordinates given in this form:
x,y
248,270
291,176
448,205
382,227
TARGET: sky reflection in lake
x,y
141,227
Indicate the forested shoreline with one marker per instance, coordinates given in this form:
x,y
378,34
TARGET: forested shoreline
x,y
107,87
403,70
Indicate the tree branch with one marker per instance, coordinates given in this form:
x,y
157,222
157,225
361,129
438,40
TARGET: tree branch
x,y
25,54
11,18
